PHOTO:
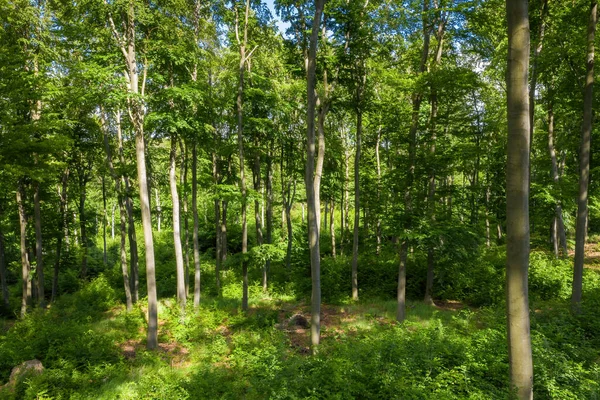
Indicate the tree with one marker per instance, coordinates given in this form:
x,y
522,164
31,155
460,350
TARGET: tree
x,y
312,193
584,161
517,200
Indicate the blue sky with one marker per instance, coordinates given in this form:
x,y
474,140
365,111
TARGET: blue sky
x,y
281,25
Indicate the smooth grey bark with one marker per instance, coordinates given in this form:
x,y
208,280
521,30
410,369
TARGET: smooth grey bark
x,y
256,177
38,245
535,72
378,163
433,100
122,212
25,266
126,43
62,226
517,201
417,98
312,180
356,204
83,178
3,283
584,162
181,298
196,224
104,220
131,235
240,139
269,212
186,237
332,227
559,237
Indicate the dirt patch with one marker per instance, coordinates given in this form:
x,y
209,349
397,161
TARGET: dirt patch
x,y
450,305
591,258
174,353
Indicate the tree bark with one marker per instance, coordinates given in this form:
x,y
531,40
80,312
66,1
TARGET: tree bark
x,y
186,236
196,224
38,245
559,239
412,147
256,176
3,283
356,205
584,163
131,235
269,213
83,221
332,227
181,298
517,201
240,140
62,226
104,219
25,266
313,180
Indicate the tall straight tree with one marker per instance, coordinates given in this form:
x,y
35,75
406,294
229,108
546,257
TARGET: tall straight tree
x,y
312,195
181,295
517,200
584,161
126,43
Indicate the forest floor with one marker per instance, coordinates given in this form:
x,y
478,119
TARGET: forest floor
x,y
93,349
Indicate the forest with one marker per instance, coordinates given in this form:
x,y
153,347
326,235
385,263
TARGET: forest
x,y
291,199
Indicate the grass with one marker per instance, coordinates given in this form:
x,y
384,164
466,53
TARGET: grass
x,y
93,349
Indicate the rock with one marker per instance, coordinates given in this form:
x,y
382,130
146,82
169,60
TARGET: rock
x,y
300,321
33,367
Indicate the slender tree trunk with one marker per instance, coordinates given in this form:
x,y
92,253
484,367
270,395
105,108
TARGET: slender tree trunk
x,y
224,204
186,236
312,181
104,218
240,140
196,223
62,222
131,235
112,222
584,163
158,210
559,239
332,227
181,298
356,205
38,245
378,161
3,283
269,213
124,270
412,146
83,221
257,213
534,73
517,201
25,266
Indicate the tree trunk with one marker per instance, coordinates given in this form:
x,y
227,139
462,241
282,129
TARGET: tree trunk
x,y
269,213
62,222
104,218
38,245
412,146
158,210
224,204
240,140
559,239
534,73
517,201
257,212
181,298
132,237
83,221
186,236
356,205
584,163
378,162
332,227
3,283
312,181
196,223
25,266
